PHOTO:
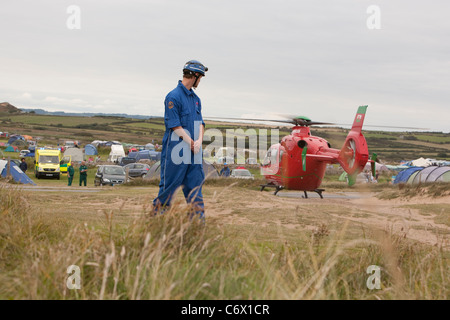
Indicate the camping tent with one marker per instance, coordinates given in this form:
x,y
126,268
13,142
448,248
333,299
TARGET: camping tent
x,y
209,170
423,174
90,150
26,137
76,154
17,174
396,168
445,176
360,177
421,162
403,176
21,144
14,138
11,149
378,166
132,154
149,146
148,155
417,175
439,172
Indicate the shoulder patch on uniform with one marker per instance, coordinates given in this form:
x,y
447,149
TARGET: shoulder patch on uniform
x,y
170,105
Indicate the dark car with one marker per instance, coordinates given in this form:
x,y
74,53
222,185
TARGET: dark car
x,y
109,175
137,169
126,160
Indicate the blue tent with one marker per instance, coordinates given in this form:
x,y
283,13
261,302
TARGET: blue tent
x,y
14,138
17,174
90,150
148,155
403,176
132,154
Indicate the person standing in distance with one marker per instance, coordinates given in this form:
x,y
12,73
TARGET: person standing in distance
x,y
83,173
23,165
181,155
70,173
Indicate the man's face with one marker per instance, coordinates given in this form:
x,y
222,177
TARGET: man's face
x,y
196,83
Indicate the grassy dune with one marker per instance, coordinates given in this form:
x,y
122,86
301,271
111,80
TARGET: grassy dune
x,y
136,255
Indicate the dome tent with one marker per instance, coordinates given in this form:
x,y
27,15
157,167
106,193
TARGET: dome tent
x,y
422,176
403,176
11,149
15,137
75,153
378,166
417,175
90,150
17,174
445,176
413,176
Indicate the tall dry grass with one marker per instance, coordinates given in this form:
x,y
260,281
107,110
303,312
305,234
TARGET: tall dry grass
x,y
173,257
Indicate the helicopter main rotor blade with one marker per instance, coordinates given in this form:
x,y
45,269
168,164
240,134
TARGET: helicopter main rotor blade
x,y
247,119
300,122
392,127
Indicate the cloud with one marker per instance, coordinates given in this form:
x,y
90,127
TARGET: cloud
x,y
316,59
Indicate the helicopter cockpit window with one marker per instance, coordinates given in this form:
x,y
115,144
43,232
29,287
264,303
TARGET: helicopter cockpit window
x,y
266,160
274,155
271,157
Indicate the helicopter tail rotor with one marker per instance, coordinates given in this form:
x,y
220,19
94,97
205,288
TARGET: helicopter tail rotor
x,y
354,154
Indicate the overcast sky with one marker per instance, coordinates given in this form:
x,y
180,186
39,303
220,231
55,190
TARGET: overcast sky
x,y
313,58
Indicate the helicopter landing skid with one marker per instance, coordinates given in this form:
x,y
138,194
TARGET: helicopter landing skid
x,y
277,188
318,191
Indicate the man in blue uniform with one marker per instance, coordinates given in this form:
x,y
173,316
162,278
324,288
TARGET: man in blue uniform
x,y
225,172
182,156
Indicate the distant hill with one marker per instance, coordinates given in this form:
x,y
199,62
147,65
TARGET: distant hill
x,y
86,114
6,107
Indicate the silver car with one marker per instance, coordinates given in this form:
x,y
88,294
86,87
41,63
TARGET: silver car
x,y
137,169
241,174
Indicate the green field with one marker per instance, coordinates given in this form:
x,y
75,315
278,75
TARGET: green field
x,y
391,147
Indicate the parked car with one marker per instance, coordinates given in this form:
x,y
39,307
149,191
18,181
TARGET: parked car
x,y
241,173
126,160
227,159
109,175
137,169
23,153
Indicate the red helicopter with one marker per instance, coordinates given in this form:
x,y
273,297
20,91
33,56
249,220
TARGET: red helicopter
x,y
300,160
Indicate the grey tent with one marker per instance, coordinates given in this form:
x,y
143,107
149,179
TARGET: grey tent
x,y
439,174
378,166
422,175
76,154
210,171
154,172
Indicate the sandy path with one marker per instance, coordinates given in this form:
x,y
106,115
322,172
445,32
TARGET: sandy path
x,y
236,206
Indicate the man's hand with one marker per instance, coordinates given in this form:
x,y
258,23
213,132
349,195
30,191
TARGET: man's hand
x,y
197,146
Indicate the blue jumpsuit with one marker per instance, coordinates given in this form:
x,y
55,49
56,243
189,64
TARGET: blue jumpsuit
x,y
179,165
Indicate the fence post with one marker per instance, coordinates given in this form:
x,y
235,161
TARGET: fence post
x,y
8,168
